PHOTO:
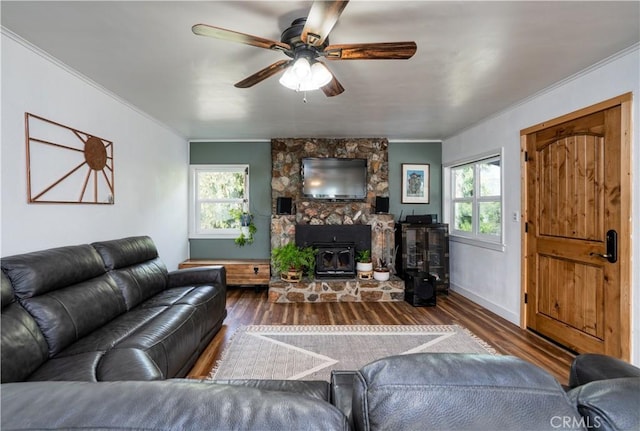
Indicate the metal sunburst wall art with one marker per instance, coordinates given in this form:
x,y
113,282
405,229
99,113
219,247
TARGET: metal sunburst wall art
x,y
66,165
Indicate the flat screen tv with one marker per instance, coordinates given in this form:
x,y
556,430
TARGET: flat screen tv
x,y
334,178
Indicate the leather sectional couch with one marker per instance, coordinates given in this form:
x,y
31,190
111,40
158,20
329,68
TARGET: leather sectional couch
x,y
91,332
411,392
105,311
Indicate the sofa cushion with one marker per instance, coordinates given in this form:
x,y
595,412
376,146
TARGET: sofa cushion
x,y
79,367
143,344
66,315
67,292
22,346
120,253
108,336
458,391
208,302
135,266
39,272
170,340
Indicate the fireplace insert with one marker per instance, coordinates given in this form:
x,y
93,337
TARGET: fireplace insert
x,y
335,259
336,245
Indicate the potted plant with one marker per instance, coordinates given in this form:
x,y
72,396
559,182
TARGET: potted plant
x,y
381,271
292,261
364,266
247,227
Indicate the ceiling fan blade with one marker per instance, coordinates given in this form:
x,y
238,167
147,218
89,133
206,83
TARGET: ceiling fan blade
x,y
263,74
333,88
322,17
234,36
371,51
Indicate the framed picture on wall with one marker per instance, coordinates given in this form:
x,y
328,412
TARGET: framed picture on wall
x,y
415,184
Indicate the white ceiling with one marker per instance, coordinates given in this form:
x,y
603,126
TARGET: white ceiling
x,y
474,59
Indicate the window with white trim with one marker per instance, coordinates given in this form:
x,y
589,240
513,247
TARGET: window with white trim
x,y
218,194
476,199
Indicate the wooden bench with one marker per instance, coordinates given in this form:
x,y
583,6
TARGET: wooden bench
x,y
240,272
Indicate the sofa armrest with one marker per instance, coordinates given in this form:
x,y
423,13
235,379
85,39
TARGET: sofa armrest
x,y
609,404
590,367
213,275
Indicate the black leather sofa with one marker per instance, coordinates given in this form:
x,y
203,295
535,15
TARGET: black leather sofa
x,y
88,331
410,392
104,312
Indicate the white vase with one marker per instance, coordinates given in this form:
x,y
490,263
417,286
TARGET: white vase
x,y
364,266
381,275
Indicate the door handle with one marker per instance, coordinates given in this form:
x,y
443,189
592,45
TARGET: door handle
x,y
612,247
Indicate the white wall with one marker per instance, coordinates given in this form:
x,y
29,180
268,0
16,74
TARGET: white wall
x,y
150,162
492,278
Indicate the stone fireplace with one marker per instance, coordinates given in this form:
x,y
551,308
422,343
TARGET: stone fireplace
x,y
338,229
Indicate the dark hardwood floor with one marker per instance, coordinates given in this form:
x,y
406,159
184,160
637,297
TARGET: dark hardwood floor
x,y
248,307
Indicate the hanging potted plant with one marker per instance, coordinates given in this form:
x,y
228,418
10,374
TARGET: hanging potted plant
x,y
364,266
292,261
247,227
381,271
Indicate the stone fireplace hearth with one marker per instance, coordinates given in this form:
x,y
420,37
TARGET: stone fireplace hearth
x,y
338,290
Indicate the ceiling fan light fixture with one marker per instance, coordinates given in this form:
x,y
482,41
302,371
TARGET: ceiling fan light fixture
x,y
301,68
317,75
320,75
289,79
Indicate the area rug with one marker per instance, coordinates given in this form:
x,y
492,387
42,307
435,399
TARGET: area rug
x,y
311,352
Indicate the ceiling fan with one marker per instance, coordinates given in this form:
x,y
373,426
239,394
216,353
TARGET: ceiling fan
x,y
306,41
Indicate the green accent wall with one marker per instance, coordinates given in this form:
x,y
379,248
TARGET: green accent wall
x,y
258,156
415,153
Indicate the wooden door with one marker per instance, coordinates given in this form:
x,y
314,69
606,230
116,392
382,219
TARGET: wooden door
x,y
576,194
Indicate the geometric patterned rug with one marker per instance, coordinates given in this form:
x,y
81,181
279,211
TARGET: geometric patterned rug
x,y
303,352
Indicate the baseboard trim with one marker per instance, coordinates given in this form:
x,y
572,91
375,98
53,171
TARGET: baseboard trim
x,y
495,308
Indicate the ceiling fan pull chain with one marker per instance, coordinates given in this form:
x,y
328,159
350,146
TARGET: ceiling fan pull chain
x,y
304,97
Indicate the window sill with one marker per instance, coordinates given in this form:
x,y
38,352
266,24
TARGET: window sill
x,y
232,235
477,242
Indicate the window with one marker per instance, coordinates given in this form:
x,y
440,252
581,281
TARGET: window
x,y
476,199
216,193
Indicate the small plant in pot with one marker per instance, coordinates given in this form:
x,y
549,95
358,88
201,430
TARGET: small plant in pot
x,y
381,271
364,266
247,227
292,261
